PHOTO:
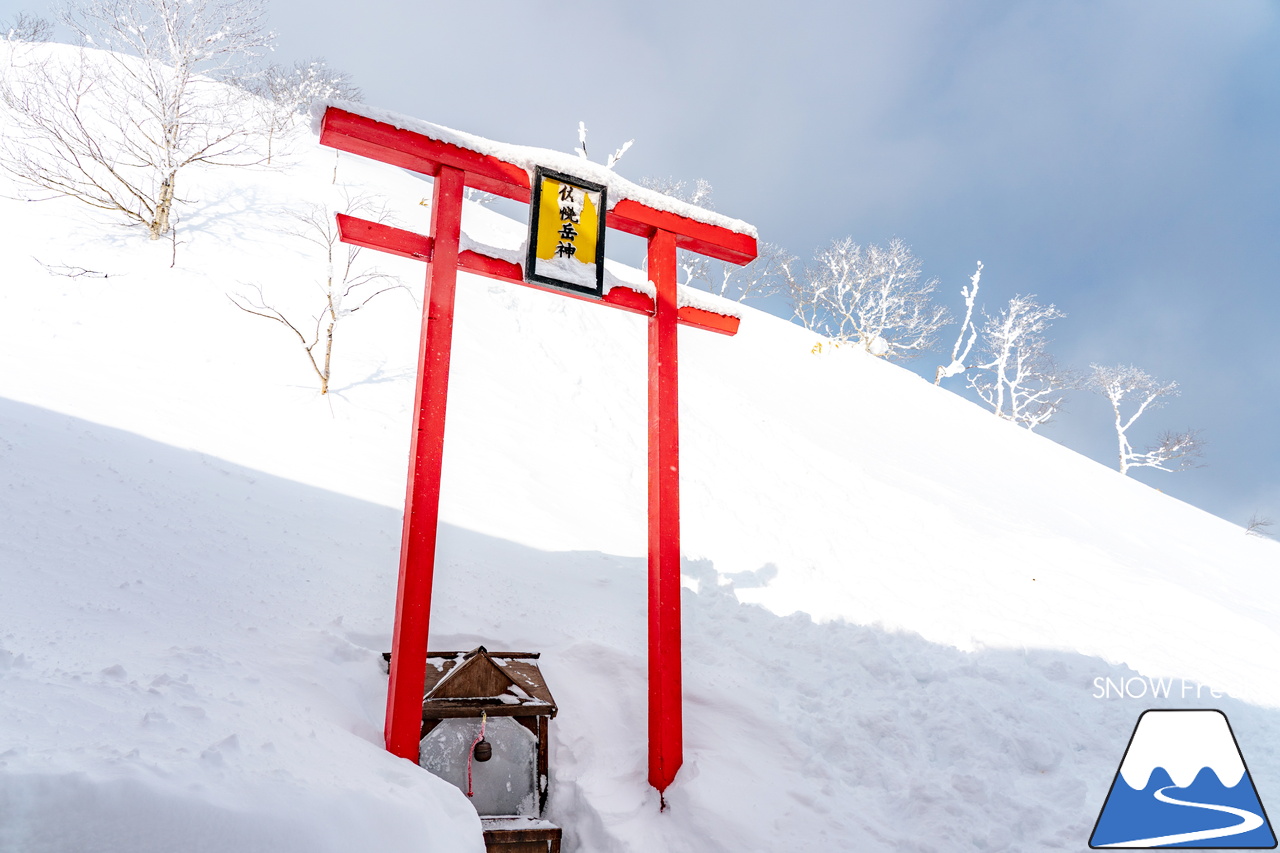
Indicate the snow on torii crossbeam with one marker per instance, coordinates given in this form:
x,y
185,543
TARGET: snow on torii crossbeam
x,y
456,161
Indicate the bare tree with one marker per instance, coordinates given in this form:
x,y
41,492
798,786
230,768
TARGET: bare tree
x,y
346,286
875,297
26,27
1259,525
1019,380
1129,386
960,356
114,128
70,271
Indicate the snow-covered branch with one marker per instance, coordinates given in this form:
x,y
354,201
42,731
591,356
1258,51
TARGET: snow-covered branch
x,y
1019,380
959,356
1130,388
613,159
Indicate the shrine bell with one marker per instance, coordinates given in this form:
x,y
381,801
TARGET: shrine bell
x,y
485,724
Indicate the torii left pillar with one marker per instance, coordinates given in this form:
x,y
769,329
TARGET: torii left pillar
x,y
426,458
455,168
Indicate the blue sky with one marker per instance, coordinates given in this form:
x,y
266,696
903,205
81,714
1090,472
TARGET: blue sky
x,y
1120,159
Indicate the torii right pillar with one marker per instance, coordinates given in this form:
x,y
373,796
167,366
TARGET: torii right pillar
x,y
666,725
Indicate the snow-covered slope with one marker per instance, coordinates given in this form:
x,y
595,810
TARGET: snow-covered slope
x,y
896,605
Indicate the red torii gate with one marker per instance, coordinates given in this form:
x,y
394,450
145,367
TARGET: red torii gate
x,y
454,167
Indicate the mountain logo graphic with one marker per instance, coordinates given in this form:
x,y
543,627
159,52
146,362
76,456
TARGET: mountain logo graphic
x,y
1183,783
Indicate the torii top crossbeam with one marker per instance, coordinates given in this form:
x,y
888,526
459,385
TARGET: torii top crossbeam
x,y
456,161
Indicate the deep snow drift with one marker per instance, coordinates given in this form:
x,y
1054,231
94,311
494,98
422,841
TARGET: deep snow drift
x,y
896,605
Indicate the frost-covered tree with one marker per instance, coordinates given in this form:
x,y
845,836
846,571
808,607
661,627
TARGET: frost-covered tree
x,y
960,351
26,27
1017,377
694,267
873,296
288,93
345,286
764,276
699,193
115,127
1132,392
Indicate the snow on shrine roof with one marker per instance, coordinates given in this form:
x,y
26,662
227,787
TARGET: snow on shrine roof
x,y
527,158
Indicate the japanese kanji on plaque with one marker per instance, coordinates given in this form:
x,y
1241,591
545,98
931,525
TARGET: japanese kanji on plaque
x,y
566,242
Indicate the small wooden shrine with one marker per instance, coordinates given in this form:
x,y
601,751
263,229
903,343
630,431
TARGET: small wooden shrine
x,y
485,727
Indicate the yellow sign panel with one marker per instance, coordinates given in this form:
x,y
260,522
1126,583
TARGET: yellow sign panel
x,y
566,240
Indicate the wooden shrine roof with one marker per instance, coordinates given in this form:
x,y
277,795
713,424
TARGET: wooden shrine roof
x,y
502,684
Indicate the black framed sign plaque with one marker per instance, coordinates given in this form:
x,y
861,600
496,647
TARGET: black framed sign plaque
x,y
566,233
